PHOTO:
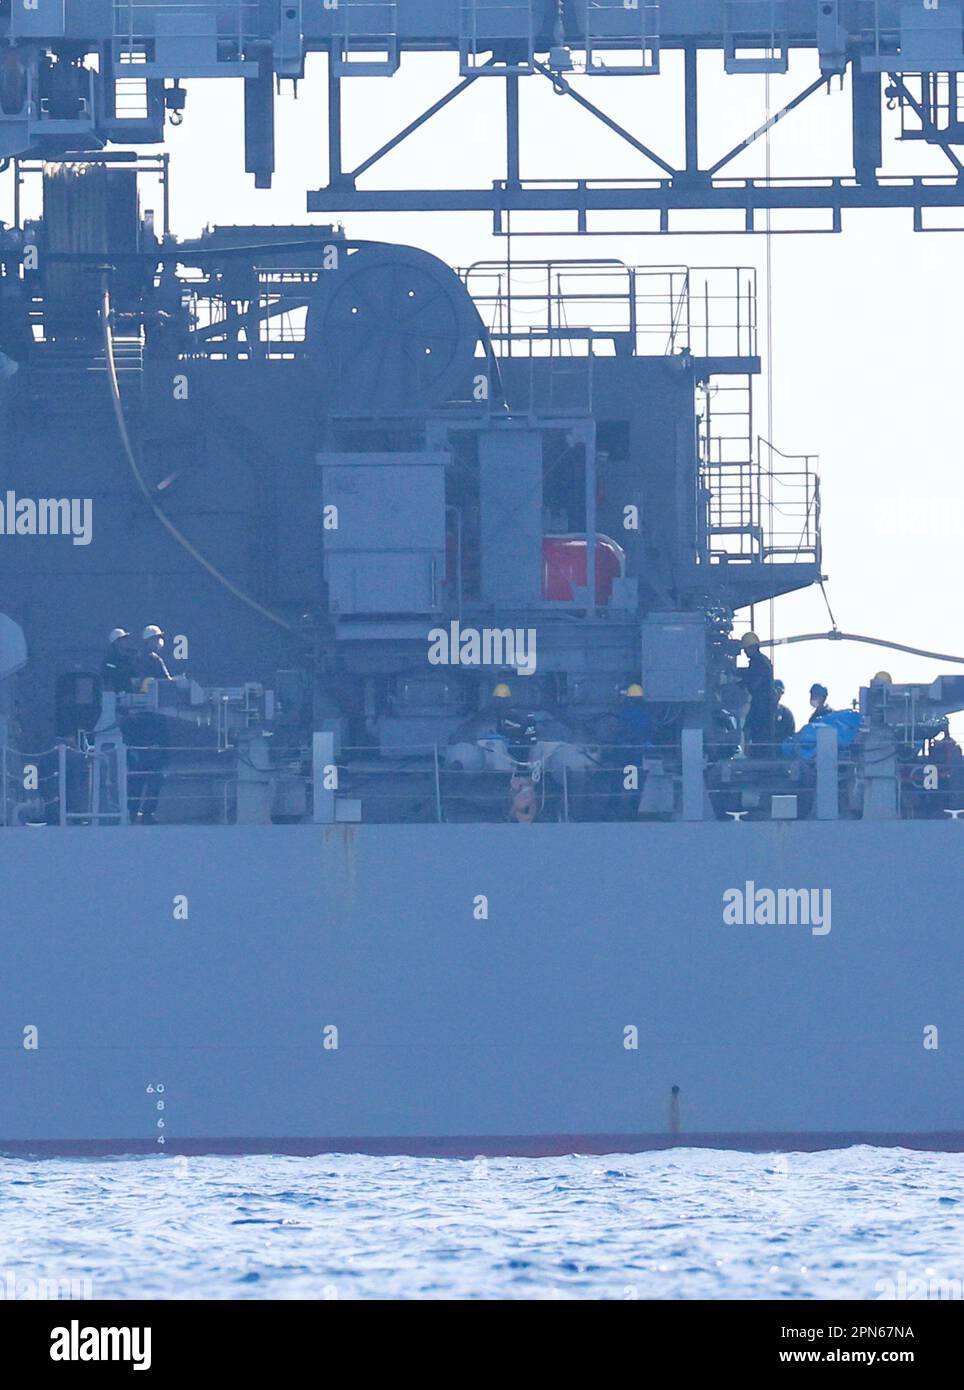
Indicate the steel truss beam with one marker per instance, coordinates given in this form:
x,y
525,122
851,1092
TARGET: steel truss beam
x,y
670,192
665,198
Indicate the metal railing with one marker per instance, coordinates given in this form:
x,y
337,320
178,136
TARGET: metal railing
x,y
113,783
765,509
496,37
606,308
136,21
368,41
632,31
185,38
562,309
755,35
724,777
934,99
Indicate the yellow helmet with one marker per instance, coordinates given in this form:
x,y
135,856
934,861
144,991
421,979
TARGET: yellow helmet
x,y
750,639
502,692
883,678
634,692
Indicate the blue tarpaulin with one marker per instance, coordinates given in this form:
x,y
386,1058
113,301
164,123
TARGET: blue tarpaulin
x,y
804,743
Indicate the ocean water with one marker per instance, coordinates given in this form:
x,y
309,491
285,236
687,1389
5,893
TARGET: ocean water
x,y
859,1223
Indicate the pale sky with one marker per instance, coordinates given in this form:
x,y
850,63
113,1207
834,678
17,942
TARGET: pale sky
x,y
866,364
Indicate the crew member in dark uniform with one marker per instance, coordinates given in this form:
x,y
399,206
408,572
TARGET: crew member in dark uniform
x,y
146,734
635,733
635,720
152,663
785,724
818,702
757,678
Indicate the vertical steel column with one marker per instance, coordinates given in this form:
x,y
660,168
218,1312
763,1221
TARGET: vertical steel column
x,y
591,523
867,123
259,123
322,757
694,793
692,101
336,174
512,131
828,790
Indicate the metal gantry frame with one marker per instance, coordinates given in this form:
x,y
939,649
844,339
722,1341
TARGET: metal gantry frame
x,y
669,188
666,191
877,52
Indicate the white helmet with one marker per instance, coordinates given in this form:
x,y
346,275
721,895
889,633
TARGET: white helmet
x,y
152,630
116,632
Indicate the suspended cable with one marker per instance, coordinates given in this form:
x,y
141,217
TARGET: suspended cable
x,y
836,636
833,620
139,478
769,280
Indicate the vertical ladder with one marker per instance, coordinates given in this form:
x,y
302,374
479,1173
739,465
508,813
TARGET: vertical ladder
x,y
367,45
756,35
503,29
629,28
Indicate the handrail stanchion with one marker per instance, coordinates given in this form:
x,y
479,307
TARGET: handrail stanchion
x,y
438,787
95,771
62,781
565,793
122,816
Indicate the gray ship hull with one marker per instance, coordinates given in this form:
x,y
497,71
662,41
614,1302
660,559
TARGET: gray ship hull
x,y
337,988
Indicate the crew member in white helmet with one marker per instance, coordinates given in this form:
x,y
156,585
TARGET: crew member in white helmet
x,y
152,664
147,736
119,666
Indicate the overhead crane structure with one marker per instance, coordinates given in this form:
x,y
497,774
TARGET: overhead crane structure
x,y
79,75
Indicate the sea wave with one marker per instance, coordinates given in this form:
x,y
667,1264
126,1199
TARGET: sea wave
x,y
860,1223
